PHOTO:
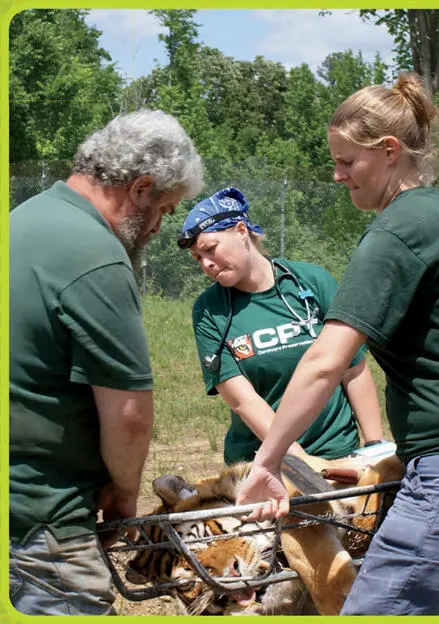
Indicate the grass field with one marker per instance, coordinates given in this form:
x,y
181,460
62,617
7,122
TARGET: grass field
x,y
183,410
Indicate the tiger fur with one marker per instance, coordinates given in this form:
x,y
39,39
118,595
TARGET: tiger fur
x,y
320,554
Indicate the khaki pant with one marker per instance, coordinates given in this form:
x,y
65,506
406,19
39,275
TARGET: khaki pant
x,y
69,577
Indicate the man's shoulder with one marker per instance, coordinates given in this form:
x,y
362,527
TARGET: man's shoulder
x,y
65,225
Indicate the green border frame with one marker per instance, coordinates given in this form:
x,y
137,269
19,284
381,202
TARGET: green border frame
x,y
8,9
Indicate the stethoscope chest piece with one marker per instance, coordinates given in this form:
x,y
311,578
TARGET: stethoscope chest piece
x,y
212,362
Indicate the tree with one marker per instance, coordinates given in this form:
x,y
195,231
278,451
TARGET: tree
x,y
346,72
309,103
416,36
180,42
62,85
144,91
220,78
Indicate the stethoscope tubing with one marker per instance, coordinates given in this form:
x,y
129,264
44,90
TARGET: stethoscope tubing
x,y
287,274
213,361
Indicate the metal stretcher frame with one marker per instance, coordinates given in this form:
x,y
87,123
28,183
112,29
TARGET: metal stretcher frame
x,y
229,584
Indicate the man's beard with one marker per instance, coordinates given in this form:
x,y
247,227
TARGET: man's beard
x,y
129,232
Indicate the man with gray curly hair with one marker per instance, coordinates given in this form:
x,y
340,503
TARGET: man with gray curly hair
x,y
81,402
146,153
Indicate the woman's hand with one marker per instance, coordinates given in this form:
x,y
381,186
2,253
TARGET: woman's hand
x,y
266,486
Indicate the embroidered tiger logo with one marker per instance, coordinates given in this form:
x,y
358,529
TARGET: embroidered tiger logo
x,y
241,347
319,553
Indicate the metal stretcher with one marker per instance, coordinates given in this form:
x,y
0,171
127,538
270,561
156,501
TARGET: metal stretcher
x,y
118,555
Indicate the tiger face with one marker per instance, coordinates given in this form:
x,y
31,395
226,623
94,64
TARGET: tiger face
x,y
233,557
319,554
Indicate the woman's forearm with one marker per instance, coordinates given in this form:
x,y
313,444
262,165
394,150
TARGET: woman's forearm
x,y
257,414
304,399
318,373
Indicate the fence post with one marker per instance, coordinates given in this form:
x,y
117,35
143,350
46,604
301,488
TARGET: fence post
x,y
143,268
282,218
43,176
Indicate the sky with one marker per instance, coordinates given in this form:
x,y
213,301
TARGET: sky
x,y
291,36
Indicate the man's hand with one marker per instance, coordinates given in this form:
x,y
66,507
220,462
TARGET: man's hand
x,y
266,486
116,505
125,419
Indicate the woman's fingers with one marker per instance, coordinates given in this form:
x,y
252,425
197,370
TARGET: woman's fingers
x,y
264,486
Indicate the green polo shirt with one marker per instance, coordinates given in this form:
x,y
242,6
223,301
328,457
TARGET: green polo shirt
x,y
265,344
75,321
390,292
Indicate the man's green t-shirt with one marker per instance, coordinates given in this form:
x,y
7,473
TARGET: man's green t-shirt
x,y
390,292
75,321
265,343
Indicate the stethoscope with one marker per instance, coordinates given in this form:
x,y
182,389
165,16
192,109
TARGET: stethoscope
x,y
213,362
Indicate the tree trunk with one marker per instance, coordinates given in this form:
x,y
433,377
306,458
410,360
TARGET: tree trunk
x,y
424,43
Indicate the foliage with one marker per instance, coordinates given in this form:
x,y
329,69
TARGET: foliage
x,y
416,36
62,85
180,42
259,126
342,225
28,178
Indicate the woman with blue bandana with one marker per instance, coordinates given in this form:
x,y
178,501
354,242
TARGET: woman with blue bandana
x,y
254,324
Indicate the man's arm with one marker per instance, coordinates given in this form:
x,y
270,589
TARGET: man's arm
x,y
362,395
126,419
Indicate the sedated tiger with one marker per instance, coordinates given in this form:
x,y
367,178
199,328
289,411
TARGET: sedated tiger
x,y
320,553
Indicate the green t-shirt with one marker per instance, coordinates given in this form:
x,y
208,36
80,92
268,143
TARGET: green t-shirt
x,y
75,321
390,292
265,343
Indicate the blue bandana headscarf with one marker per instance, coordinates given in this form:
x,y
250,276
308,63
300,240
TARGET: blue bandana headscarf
x,y
226,200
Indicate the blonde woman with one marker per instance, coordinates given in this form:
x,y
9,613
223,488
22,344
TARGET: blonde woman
x,y
380,140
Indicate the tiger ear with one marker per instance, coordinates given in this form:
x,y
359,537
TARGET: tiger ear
x,y
172,489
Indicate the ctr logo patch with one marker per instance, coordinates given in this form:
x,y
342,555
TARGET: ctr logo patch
x,y
241,347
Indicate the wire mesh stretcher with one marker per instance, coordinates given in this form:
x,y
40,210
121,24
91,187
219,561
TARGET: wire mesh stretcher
x,y
118,555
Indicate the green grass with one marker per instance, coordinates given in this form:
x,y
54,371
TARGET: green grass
x,y
182,408
183,411
380,382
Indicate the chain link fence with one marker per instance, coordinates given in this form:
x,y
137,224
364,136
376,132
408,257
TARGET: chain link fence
x,y
303,220
29,178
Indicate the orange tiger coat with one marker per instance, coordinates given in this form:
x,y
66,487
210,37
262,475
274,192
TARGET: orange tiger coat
x,y
318,553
